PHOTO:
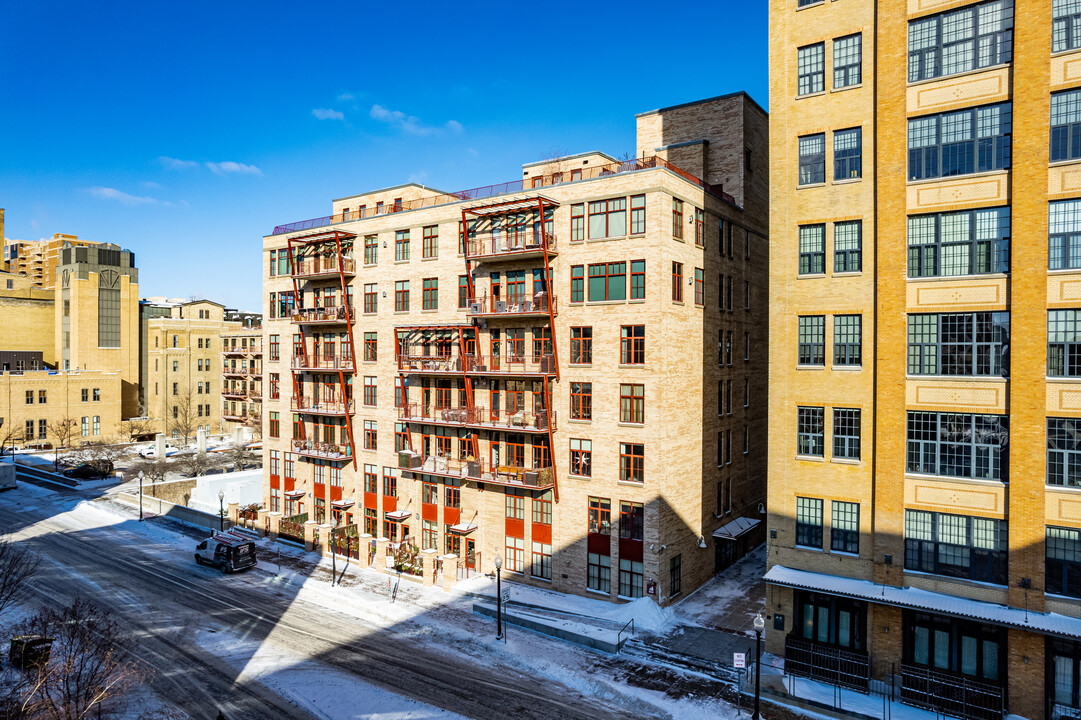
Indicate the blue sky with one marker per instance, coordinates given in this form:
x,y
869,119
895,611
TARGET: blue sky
x,y
187,132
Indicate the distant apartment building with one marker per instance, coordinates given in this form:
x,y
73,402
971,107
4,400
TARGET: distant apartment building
x,y
566,371
242,376
924,525
39,259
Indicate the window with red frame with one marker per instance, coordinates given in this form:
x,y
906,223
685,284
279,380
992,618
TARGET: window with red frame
x,y
429,493
401,296
275,347
632,457
581,457
371,299
578,222
275,425
430,241
401,439
275,386
632,344
677,218
632,403
581,401
699,227
700,287
600,516
430,296
371,479
371,435
677,282
275,463
370,388
581,345
371,347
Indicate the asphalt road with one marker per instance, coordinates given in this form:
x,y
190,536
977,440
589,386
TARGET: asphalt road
x,y
159,603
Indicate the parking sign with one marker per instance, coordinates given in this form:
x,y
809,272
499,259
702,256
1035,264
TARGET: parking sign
x,y
739,660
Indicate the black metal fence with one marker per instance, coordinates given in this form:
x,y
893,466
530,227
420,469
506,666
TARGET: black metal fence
x,y
828,664
951,694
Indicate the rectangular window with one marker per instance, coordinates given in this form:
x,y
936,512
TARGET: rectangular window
x,y
514,505
581,345
845,527
390,481
677,218
973,37
847,52
430,298
632,463
812,158
808,522
371,435
599,572
581,457
700,289
1064,234
600,516
608,218
1064,343
463,291
85,427
578,222
542,561
638,214
960,142
630,578
371,298
581,401
371,347
848,246
958,445
959,344
811,69
401,245
846,433
370,388
430,241
1063,561
638,279
812,249
970,242
401,296
1066,125
275,424
578,283
847,154
371,249
1064,452
956,546
812,339
632,403
632,344
677,282
675,576
847,339
275,347
810,431
608,281
1066,25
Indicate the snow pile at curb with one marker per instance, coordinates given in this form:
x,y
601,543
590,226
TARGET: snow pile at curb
x,y
647,615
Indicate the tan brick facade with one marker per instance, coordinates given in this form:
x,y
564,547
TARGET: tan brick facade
x,y
33,403
887,292
683,413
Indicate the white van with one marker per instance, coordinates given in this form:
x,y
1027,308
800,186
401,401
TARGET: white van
x,y
150,452
227,551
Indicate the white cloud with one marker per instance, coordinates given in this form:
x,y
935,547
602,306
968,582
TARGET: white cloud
x,y
150,184
410,124
328,114
107,193
174,164
345,97
229,167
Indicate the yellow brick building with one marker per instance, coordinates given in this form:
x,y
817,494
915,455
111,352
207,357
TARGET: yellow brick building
x,y
599,425
28,314
923,472
33,404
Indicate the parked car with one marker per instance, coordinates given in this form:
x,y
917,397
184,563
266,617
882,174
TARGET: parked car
x,y
40,445
150,452
90,470
227,551
10,449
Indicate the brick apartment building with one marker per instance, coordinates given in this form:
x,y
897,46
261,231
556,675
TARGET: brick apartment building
x,y
924,525
566,371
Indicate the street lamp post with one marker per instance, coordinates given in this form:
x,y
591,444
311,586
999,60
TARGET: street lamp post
x,y
759,626
498,598
140,496
221,510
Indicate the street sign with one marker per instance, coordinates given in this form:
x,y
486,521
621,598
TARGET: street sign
x,y
739,660
505,597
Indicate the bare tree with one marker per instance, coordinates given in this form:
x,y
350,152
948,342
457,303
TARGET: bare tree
x,y
135,427
195,464
90,668
102,455
17,567
186,416
152,470
62,430
10,434
240,457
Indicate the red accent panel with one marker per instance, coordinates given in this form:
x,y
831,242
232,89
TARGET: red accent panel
x,y
335,493
599,544
515,528
319,490
630,550
429,512
390,504
290,484
542,533
370,501
452,516
275,481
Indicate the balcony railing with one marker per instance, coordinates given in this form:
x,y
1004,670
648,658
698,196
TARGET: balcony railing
x,y
477,416
515,245
829,664
237,417
256,395
479,470
326,316
326,451
320,407
314,362
536,304
234,394
508,364
235,352
514,186
238,371
950,694
323,265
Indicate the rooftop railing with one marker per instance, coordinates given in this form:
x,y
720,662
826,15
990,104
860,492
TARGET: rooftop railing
x,y
515,186
323,265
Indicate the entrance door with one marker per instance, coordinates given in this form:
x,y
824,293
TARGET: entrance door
x,y
724,554
470,555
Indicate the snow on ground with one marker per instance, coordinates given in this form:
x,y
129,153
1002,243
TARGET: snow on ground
x,y
849,700
730,600
322,691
